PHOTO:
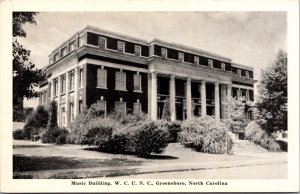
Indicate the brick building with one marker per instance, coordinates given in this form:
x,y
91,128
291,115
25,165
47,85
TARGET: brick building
x,y
132,75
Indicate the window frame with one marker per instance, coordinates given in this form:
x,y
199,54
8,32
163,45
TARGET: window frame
x,y
140,83
105,80
117,81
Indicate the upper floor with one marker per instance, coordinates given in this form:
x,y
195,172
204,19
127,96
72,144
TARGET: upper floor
x,y
127,48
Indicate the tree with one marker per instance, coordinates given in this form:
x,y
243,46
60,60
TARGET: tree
x,y
166,115
235,114
25,75
52,122
38,119
272,99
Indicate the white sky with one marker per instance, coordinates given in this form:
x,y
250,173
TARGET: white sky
x,y
249,38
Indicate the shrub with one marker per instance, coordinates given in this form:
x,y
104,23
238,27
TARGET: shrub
x,y
150,137
51,135
61,139
127,118
254,133
173,128
19,134
37,119
52,122
205,135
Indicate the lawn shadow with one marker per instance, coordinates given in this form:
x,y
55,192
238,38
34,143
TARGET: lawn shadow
x,y
27,146
154,157
23,163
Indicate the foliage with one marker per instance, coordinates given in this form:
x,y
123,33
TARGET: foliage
x,y
150,137
166,115
235,114
34,121
205,134
127,118
254,133
20,18
173,128
52,122
25,76
61,139
272,100
51,136
19,134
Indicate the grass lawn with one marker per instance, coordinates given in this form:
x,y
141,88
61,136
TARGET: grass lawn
x,y
36,160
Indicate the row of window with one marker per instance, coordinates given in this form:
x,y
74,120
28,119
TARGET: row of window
x,y
64,83
120,106
120,80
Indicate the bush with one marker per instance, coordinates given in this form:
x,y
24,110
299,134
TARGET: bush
x,y
205,135
51,135
150,137
19,134
34,121
127,118
173,128
61,139
254,133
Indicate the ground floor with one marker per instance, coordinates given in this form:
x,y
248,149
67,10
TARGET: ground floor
x,y
135,90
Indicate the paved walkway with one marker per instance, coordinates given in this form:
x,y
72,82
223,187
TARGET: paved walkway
x,y
73,161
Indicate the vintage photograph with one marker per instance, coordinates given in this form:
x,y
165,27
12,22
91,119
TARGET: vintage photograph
x,y
150,95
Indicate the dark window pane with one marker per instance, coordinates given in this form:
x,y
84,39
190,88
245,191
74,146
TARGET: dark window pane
x,y
234,69
172,54
129,47
203,61
92,39
251,74
217,64
227,67
243,72
157,50
251,95
145,51
188,58
112,43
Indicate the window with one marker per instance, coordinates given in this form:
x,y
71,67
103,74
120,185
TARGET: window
x,y
80,106
145,51
137,50
164,52
72,111
81,41
188,58
64,51
120,81
129,47
56,57
101,107
172,54
102,42
55,88
72,79
251,74
137,107
196,60
92,39
157,50
81,78
72,46
101,78
63,84
210,63
112,43
120,107
49,93
45,96
137,82
121,46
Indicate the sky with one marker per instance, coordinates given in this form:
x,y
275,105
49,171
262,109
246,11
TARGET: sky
x,y
248,38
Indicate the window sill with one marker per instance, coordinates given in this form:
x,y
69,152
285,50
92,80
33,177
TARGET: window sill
x,y
121,90
105,88
138,91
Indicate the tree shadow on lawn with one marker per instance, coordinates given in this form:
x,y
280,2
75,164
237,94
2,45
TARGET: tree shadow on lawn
x,y
27,146
23,163
152,157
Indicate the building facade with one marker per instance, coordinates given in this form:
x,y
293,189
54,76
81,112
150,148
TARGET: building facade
x,y
131,75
